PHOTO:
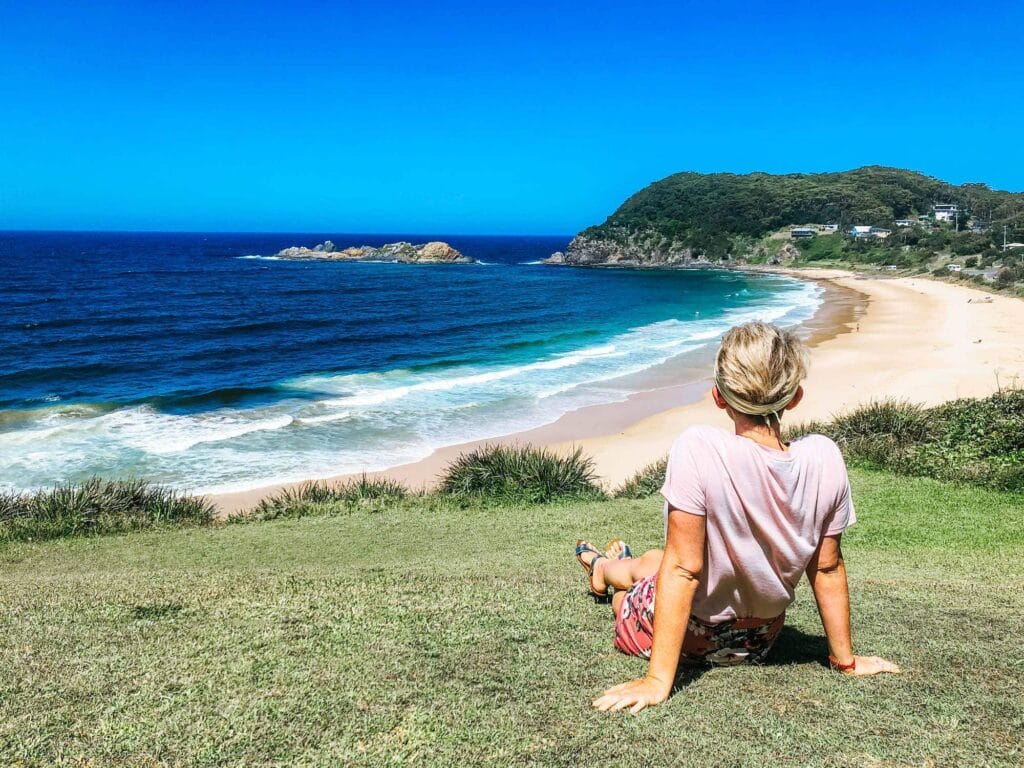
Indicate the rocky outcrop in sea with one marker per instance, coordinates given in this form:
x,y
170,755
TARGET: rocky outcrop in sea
x,y
400,253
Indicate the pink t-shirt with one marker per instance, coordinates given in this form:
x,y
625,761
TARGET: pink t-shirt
x,y
766,510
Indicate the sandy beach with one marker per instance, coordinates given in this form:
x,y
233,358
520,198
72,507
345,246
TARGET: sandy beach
x,y
875,337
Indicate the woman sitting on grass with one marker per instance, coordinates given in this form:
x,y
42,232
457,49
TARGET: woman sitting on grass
x,y
746,516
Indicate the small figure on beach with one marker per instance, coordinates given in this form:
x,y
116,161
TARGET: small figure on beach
x,y
746,516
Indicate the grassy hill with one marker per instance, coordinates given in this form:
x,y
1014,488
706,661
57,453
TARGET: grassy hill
x,y
723,214
428,632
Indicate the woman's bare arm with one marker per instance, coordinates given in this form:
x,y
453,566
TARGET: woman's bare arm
x,y
678,577
827,574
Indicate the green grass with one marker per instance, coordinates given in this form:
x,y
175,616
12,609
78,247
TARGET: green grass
x,y
435,632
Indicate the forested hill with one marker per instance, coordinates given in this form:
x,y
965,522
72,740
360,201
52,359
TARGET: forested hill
x,y
690,215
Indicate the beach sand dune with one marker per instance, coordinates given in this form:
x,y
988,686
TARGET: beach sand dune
x,y
876,337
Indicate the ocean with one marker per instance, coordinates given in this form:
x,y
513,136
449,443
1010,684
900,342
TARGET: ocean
x,y
201,362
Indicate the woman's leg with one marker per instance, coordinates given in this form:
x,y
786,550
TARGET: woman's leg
x,y
623,574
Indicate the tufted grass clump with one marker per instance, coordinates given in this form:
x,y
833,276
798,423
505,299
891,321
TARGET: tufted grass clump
x,y
97,507
646,482
321,497
521,474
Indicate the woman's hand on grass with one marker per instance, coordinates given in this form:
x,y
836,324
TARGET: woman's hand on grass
x,y
873,665
636,695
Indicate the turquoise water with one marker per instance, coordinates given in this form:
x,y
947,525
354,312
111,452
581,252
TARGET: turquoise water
x,y
198,361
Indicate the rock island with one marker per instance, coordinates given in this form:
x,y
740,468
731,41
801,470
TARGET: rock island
x,y
402,253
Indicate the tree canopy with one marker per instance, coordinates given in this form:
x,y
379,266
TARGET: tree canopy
x,y
707,212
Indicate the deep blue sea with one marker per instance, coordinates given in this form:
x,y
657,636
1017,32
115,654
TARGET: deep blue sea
x,y
200,361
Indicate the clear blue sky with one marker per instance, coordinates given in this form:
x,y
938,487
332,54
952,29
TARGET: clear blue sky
x,y
486,117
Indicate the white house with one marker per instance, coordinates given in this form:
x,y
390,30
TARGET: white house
x,y
954,267
864,231
828,227
946,211
902,223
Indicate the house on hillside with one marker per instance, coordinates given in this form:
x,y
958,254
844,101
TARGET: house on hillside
x,y
903,223
861,231
828,227
946,211
801,232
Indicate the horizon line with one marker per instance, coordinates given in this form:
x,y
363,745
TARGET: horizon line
x,y
271,232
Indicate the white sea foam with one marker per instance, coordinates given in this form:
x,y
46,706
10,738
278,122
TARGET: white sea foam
x,y
377,396
325,419
261,258
362,421
160,433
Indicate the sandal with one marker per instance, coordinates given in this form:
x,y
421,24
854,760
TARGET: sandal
x,y
581,547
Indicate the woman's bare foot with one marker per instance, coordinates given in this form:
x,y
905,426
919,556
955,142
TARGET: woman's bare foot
x,y
615,549
873,665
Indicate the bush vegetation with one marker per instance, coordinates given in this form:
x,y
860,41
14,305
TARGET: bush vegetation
x,y
646,482
319,496
521,473
972,441
96,507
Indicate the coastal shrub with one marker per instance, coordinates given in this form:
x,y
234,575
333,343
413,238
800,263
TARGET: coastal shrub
x,y
976,441
646,482
874,433
521,473
823,248
96,507
321,497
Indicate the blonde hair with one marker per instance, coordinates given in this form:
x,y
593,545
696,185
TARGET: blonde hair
x,y
758,369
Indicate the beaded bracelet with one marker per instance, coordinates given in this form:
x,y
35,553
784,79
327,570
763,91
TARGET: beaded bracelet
x,y
834,663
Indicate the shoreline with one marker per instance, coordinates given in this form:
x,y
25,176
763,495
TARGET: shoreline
x,y
873,337
657,390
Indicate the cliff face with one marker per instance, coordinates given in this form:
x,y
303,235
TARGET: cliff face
x,y
401,253
645,249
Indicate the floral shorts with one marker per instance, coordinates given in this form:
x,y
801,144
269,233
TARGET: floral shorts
x,y
736,641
